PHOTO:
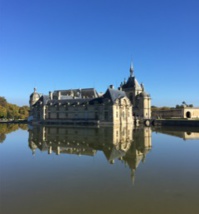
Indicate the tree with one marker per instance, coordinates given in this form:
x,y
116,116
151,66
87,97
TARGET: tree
x,y
165,108
23,112
2,137
12,111
184,103
3,112
3,101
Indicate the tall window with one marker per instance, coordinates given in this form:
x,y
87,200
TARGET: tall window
x,y
106,115
96,116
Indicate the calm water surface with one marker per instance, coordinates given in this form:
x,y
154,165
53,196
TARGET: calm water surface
x,y
98,170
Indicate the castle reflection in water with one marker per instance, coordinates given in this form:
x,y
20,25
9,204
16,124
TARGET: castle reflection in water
x,y
126,144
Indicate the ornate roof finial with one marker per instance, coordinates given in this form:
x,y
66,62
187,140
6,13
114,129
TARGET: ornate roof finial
x,y
35,89
131,69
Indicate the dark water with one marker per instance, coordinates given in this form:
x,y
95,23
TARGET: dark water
x,y
98,170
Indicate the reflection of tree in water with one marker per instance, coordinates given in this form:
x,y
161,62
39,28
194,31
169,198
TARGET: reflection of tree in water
x,y
23,126
2,137
8,128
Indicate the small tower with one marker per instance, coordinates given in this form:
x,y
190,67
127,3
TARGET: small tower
x,y
33,98
140,100
132,87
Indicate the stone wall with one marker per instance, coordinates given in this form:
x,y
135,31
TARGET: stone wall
x,y
185,112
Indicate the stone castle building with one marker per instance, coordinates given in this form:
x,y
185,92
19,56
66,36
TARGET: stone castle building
x,y
115,106
140,100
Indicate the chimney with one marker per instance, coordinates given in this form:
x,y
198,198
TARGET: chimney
x,y
59,95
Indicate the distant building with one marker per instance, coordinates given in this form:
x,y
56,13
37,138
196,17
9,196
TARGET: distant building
x,y
182,112
86,105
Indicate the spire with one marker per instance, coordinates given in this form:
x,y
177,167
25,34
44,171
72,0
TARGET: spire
x,y
131,69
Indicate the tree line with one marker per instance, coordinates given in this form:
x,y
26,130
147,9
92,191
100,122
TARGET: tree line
x,y
12,111
8,128
184,104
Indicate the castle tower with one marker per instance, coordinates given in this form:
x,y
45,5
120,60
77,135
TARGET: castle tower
x,y
34,97
140,100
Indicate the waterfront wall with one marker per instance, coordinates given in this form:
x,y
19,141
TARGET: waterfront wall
x,y
176,122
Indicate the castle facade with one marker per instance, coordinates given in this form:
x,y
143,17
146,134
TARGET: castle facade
x,y
115,106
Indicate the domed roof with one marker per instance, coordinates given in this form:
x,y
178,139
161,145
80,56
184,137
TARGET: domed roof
x,y
34,96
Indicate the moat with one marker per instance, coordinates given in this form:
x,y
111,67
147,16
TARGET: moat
x,y
59,169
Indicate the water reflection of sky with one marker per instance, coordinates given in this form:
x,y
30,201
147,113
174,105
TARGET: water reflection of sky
x,y
166,180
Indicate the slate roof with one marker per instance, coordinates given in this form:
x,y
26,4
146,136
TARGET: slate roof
x,y
78,93
44,99
114,94
111,94
132,83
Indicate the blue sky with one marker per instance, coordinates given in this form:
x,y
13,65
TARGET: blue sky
x,y
65,44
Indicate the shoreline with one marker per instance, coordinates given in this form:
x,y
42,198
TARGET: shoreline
x,y
13,121
155,122
176,122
